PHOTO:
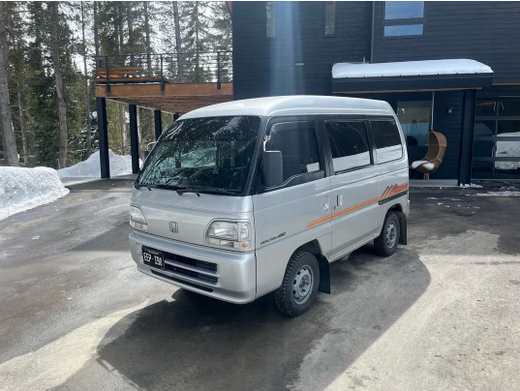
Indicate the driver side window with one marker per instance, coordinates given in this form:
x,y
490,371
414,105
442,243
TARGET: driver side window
x,y
299,147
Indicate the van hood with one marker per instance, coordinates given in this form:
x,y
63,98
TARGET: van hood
x,y
190,215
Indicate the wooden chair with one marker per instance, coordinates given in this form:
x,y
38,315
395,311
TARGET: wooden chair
x,y
433,159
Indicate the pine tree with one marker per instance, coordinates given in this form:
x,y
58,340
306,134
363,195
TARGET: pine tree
x,y
6,120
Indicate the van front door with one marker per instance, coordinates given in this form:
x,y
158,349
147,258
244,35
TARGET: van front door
x,y
354,186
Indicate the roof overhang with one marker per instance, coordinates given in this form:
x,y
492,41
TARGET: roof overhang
x,y
433,75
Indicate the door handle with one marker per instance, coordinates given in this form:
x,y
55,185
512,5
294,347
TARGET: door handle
x,y
339,200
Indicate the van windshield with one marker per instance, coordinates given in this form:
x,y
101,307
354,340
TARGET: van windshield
x,y
206,155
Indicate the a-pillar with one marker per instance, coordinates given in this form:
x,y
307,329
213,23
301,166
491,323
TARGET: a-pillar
x,y
158,123
134,138
101,110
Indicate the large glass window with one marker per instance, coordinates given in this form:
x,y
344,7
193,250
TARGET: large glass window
x,y
349,145
270,19
299,147
415,117
388,141
496,146
206,154
404,9
401,18
403,29
330,17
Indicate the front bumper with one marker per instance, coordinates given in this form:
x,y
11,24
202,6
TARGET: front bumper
x,y
233,279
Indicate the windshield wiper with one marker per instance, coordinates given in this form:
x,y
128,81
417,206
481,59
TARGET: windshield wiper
x,y
150,186
208,190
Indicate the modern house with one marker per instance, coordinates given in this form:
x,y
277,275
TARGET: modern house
x,y
452,67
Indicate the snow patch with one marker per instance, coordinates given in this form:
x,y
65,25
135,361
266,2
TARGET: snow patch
x,y
26,188
470,186
499,194
90,168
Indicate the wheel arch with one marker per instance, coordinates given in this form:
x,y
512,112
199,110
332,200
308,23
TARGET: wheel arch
x,y
314,248
403,223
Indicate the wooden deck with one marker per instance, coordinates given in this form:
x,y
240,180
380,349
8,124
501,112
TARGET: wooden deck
x,y
176,98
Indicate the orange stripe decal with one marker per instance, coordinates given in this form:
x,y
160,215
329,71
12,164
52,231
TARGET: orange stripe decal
x,y
389,192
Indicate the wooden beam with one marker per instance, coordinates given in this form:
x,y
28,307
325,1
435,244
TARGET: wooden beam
x,y
507,84
170,89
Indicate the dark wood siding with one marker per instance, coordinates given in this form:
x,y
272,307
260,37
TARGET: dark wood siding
x,y
488,32
266,66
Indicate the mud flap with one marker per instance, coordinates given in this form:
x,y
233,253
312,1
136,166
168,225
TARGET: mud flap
x,y
324,275
403,238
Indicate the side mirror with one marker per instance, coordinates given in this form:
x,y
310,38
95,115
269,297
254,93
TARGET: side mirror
x,y
272,168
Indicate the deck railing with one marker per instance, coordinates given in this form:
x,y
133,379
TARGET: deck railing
x,y
199,67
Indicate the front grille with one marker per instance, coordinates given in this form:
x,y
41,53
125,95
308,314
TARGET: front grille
x,y
194,269
189,273
203,288
212,267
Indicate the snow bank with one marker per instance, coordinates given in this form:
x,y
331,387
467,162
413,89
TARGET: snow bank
x,y
499,194
26,188
119,165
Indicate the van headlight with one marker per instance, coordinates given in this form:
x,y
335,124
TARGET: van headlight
x,y
137,219
231,235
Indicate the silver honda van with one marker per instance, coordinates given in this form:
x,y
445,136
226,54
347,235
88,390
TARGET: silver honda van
x,y
244,198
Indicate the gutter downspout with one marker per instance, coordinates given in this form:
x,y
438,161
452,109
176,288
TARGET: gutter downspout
x,y
372,32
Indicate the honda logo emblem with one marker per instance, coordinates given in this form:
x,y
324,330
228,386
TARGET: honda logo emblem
x,y
173,227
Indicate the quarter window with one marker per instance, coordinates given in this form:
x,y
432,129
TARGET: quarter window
x,y
402,18
388,141
348,144
299,147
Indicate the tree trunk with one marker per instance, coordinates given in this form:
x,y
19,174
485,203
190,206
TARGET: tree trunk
x,y
6,117
152,127
23,126
122,114
178,46
96,32
87,91
60,89
147,38
120,27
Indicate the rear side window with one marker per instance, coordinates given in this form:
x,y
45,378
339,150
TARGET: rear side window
x,y
299,147
388,140
349,145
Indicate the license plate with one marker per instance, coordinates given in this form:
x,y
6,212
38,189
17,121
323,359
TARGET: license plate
x,y
153,258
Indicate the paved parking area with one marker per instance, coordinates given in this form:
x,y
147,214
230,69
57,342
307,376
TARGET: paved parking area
x,y
441,314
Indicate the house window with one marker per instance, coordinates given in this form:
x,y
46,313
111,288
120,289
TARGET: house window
x,y
270,19
496,145
401,18
330,17
415,117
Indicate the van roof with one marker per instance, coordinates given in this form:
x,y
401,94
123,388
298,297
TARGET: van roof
x,y
293,105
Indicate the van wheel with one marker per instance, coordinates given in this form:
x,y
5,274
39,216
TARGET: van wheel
x,y
386,243
300,284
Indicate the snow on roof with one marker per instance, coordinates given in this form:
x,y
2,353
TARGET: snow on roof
x,y
294,105
410,68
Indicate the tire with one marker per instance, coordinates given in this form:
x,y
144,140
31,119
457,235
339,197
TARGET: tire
x,y
386,244
300,284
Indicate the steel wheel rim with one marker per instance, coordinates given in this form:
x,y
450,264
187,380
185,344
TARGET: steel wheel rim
x,y
303,283
391,234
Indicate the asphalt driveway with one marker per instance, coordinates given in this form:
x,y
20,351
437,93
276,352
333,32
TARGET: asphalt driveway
x,y
442,313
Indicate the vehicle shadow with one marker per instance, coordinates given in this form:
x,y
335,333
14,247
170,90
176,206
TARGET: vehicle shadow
x,y
198,343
